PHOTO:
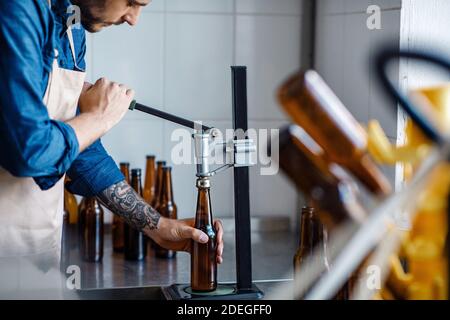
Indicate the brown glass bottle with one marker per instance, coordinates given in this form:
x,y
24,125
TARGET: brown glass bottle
x,y
118,223
81,207
92,228
167,208
314,240
203,257
135,241
311,235
302,160
71,205
150,177
158,189
312,105
158,183
149,187
65,242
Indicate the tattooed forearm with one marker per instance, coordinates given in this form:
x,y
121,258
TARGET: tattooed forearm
x,y
121,199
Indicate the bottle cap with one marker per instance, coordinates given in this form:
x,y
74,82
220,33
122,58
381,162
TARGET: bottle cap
x,y
167,168
163,163
203,183
136,172
308,210
124,163
150,156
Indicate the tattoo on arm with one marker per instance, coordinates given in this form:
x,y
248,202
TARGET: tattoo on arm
x,y
122,200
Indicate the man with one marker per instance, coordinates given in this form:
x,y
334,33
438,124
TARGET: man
x,y
43,136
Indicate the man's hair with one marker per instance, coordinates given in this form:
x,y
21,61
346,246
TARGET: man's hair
x,y
87,8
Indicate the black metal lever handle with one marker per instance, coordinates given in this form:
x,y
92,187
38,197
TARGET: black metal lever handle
x,y
382,61
167,116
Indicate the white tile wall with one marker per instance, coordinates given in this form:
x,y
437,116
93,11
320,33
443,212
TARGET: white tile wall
x,y
199,53
218,6
271,195
155,5
356,79
293,7
178,59
329,52
138,52
131,140
264,44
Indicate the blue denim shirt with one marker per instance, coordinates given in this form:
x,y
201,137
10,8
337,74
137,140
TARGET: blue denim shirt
x,y
31,144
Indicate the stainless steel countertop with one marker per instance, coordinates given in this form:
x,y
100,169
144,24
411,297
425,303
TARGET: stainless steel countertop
x,y
272,254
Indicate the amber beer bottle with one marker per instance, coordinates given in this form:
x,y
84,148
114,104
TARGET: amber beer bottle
x,y
302,160
71,205
91,221
118,223
150,176
313,106
158,189
81,207
314,243
203,258
149,186
135,241
167,208
158,183
65,242
311,235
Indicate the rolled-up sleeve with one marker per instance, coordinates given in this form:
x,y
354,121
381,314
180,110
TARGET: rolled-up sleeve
x,y
31,144
93,171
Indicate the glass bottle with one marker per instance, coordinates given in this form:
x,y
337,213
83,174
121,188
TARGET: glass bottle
x,y
92,226
149,184
311,235
158,189
313,106
327,187
118,223
135,241
314,243
167,208
71,205
203,258
158,183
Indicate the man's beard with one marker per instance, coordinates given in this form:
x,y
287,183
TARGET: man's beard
x,y
88,19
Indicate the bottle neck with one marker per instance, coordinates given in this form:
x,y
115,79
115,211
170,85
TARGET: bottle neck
x,y
311,232
204,212
150,173
125,169
159,181
167,192
92,204
136,184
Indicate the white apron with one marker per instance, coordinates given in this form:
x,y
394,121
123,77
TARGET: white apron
x,y
31,219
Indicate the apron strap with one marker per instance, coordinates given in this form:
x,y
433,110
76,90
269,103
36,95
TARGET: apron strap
x,y
72,46
71,42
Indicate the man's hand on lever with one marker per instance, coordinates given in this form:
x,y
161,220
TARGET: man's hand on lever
x,y
171,234
102,106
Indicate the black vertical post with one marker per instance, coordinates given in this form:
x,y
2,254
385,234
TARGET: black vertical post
x,y
241,185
